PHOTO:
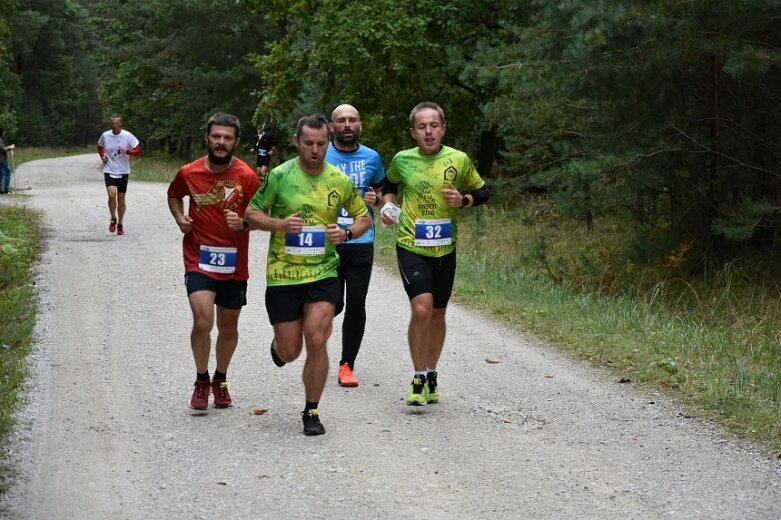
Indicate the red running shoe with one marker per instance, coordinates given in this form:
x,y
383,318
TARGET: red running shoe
x,y
222,399
112,225
200,397
120,229
346,376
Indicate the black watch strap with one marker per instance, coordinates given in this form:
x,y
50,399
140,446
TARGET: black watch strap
x,y
349,235
464,201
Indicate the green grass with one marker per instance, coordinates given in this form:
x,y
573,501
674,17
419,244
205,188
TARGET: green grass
x,y
710,341
19,247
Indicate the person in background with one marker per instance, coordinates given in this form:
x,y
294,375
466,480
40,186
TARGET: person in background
x,y
364,166
5,171
115,147
438,182
215,250
264,149
299,203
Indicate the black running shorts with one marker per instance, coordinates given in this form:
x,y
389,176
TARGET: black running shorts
x,y
231,294
120,182
427,274
286,302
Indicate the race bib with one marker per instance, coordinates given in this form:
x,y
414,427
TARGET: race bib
x,y
344,218
262,152
309,241
431,233
217,259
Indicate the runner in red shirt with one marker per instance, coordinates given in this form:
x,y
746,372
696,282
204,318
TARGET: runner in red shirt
x,y
215,250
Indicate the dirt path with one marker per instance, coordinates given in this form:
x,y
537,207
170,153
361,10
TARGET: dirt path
x,y
107,434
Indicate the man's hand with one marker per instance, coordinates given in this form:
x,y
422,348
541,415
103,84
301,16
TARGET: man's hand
x,y
336,235
233,220
293,224
185,223
452,196
370,197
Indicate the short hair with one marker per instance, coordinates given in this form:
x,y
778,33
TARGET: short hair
x,y
223,119
115,116
315,121
422,106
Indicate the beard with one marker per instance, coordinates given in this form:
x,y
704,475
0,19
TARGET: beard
x,y
348,140
215,159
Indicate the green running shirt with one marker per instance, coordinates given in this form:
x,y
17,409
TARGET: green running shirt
x,y
306,257
423,208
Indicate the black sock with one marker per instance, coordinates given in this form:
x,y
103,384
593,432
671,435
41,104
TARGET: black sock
x,y
203,377
310,406
219,376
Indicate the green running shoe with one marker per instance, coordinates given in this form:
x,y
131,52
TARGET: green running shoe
x,y
415,395
431,390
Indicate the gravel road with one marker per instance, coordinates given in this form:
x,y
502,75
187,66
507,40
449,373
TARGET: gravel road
x,y
522,431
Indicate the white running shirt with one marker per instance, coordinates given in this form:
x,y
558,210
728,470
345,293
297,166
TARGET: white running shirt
x,y
117,164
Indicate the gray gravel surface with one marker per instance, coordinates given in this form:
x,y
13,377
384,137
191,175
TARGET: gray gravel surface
x,y
522,431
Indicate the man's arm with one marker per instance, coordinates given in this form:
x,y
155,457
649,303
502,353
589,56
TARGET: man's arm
x,y
176,206
261,220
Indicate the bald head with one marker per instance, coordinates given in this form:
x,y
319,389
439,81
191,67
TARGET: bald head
x,y
346,127
345,110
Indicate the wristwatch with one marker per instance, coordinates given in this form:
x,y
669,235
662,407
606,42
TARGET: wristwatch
x,y
464,201
244,223
349,235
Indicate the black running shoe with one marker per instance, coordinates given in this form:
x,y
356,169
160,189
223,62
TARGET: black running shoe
x,y
312,425
277,360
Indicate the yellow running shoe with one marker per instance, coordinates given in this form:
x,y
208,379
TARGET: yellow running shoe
x,y
431,390
415,395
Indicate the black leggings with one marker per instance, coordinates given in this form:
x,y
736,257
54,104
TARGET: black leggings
x,y
355,271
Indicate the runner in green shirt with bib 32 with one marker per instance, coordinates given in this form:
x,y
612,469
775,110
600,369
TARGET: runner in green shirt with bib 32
x,y
436,182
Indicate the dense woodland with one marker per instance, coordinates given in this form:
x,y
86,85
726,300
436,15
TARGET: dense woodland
x,y
666,112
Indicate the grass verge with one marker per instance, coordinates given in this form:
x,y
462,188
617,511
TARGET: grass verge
x,y
19,248
712,342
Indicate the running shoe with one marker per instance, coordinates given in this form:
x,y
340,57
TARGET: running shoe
x,y
222,398
312,424
200,397
120,229
415,396
112,226
346,376
431,390
277,360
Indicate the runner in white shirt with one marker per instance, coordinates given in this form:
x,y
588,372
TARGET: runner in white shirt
x,y
115,147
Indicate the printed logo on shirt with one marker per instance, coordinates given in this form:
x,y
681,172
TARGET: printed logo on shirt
x,y
226,193
451,173
334,199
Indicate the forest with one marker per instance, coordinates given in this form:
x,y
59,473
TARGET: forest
x,y
664,113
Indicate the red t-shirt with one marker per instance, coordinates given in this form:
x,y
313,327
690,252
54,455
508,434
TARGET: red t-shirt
x,y
210,193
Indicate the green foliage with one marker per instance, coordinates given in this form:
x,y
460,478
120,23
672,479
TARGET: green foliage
x,y
663,111
168,65
381,66
52,44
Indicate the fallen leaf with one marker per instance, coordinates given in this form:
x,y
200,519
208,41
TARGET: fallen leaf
x,y
261,475
664,384
548,376
491,361
222,483
257,411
